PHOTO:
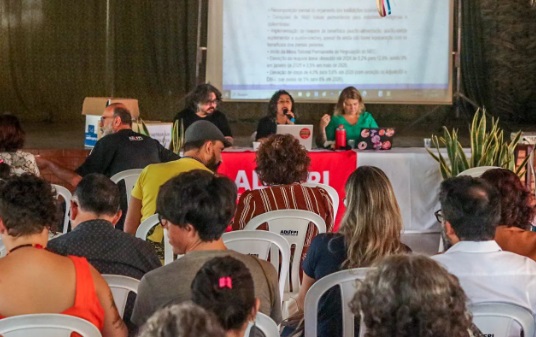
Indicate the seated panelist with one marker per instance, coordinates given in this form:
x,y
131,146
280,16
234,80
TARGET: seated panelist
x,y
280,111
350,113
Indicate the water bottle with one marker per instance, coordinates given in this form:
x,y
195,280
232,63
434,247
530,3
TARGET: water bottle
x,y
340,137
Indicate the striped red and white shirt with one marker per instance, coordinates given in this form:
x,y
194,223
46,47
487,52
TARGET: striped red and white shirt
x,y
278,197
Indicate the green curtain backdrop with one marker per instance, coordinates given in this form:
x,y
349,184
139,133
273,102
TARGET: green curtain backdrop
x,y
53,54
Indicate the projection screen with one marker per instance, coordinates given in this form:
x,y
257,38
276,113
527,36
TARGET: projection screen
x,y
315,48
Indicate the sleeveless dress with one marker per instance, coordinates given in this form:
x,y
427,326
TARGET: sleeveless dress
x,y
86,303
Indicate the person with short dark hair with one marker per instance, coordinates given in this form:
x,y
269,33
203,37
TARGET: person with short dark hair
x,y
424,298
201,104
282,165
225,287
281,110
196,207
35,280
182,320
517,213
12,138
470,212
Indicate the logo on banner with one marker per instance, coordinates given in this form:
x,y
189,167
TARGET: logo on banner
x,y
289,232
242,180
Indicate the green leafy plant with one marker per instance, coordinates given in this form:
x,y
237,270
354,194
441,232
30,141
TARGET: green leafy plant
x,y
177,136
141,127
488,148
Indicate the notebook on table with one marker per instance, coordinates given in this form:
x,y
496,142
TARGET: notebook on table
x,y
376,139
302,132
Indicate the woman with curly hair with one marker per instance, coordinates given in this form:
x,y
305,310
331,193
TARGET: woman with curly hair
x,y
517,212
280,111
11,142
224,286
412,296
370,230
282,165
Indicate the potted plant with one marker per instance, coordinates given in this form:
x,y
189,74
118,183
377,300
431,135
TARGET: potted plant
x,y
177,136
488,148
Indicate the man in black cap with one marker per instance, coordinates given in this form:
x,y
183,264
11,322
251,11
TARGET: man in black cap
x,y
202,150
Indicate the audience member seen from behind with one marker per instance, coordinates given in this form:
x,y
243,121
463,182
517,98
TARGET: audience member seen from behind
x,y
182,320
517,213
280,111
370,230
11,142
224,286
282,165
412,295
196,207
68,285
350,113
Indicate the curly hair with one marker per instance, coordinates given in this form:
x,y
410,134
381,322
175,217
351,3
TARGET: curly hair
x,y
27,205
517,203
201,94
11,133
272,104
281,159
182,320
348,93
372,222
411,296
234,301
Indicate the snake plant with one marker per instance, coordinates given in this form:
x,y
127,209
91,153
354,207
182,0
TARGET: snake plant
x,y
177,136
488,148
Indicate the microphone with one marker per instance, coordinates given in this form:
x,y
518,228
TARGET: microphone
x,y
285,112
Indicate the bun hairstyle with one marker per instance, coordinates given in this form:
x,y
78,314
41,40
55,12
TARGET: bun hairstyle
x,y
224,286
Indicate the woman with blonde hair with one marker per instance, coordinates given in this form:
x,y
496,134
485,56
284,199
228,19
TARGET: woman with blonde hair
x,y
370,230
349,113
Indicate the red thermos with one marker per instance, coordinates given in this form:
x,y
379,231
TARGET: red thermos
x,y
340,137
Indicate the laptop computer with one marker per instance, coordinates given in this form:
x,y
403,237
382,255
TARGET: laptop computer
x,y
376,139
302,132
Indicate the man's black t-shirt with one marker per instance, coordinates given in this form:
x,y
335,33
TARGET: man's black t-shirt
x,y
217,118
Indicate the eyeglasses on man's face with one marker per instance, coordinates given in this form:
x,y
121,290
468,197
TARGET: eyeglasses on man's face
x,y
439,216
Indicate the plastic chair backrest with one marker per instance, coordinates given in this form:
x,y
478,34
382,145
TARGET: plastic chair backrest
x,y
292,225
422,241
121,286
259,244
67,196
2,249
476,172
130,177
266,325
335,200
144,229
498,318
46,325
346,280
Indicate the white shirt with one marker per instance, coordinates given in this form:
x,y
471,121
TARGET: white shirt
x,y
487,273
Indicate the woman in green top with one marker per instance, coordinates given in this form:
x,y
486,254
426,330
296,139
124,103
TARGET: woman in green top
x,y
349,112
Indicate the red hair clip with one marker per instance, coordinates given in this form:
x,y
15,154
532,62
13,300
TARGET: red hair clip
x,y
226,282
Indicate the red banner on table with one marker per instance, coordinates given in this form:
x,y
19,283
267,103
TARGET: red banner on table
x,y
327,167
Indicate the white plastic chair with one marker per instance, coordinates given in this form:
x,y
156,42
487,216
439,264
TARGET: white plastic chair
x,y
259,243
292,225
335,200
67,196
2,249
346,280
121,286
499,318
265,324
427,242
144,229
46,325
476,172
130,177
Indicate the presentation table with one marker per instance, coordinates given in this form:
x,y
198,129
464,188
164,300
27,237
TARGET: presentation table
x,y
413,173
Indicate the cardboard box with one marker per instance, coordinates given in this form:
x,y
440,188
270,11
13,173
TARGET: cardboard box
x,y
161,131
93,108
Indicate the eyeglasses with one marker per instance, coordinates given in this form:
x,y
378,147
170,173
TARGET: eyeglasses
x,y
214,101
439,216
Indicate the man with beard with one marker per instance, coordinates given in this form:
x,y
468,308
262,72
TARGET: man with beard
x,y
201,105
203,145
119,149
